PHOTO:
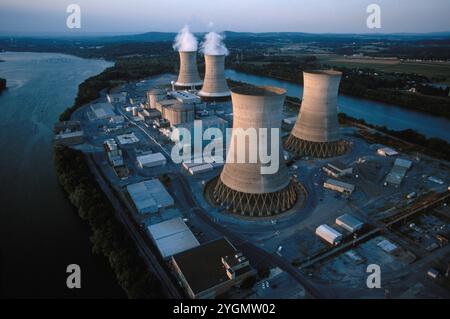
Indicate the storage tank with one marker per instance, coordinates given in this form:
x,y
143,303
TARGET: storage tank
x,y
188,74
215,85
242,187
316,131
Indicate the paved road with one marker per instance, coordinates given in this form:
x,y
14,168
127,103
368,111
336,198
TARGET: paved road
x,y
245,246
135,233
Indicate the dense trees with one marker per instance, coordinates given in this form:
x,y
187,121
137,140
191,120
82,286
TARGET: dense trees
x,y
2,85
109,238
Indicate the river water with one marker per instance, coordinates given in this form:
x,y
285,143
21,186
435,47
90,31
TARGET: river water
x,y
394,117
40,232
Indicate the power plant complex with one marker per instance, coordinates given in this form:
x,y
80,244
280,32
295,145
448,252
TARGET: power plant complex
x,y
243,188
316,131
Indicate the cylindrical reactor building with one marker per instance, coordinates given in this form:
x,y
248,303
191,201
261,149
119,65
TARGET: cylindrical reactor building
x,y
316,131
179,113
243,187
215,85
155,95
188,76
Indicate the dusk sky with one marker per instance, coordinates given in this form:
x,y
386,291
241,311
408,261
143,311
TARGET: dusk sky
x,y
137,16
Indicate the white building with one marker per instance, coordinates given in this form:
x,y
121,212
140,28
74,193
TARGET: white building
x,y
350,223
151,160
329,234
117,97
149,196
172,237
387,151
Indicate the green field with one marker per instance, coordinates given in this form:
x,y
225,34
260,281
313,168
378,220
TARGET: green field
x,y
436,71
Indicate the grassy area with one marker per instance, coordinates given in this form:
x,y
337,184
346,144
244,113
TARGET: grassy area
x,y
435,71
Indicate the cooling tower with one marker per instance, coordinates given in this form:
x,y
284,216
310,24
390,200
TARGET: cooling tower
x,y
188,76
316,131
242,188
215,85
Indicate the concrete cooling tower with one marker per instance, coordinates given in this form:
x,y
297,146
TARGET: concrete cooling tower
x,y
215,85
188,76
316,131
242,188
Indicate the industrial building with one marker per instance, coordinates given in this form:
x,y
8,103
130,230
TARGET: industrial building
x,y
206,122
212,269
151,160
386,151
349,223
113,152
68,133
179,113
155,95
398,172
117,97
127,139
242,188
172,237
316,132
339,186
185,97
337,169
215,85
188,76
329,234
102,111
149,196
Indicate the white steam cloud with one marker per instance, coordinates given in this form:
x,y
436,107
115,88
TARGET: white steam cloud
x,y
185,40
213,44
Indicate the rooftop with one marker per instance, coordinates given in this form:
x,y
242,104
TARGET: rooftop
x,y
202,266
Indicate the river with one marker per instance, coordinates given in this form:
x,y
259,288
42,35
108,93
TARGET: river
x,y
394,117
41,232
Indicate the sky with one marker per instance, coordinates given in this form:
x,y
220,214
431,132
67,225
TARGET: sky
x,y
138,16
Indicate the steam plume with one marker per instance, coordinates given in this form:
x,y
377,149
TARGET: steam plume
x,y
185,40
213,44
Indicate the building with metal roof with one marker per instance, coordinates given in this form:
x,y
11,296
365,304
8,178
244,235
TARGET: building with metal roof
x,y
149,196
172,237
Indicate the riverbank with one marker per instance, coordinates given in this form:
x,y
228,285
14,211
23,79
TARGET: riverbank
x,y
109,238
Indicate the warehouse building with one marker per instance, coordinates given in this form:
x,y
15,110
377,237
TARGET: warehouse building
x,y
339,186
387,151
127,139
212,269
151,160
350,223
149,196
337,169
172,237
398,172
329,234
102,111
113,152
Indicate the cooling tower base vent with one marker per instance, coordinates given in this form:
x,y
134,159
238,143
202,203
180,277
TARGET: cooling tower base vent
x,y
255,205
316,149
